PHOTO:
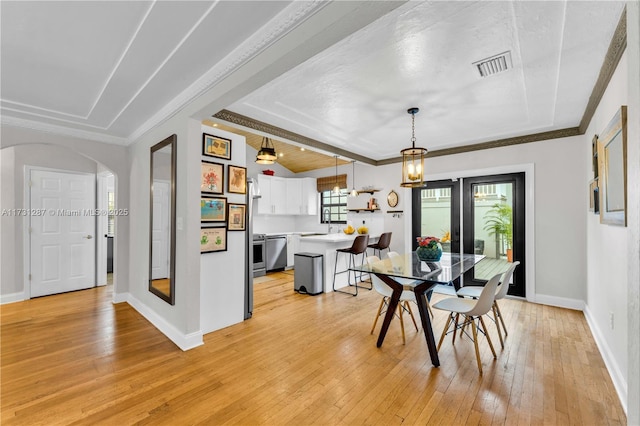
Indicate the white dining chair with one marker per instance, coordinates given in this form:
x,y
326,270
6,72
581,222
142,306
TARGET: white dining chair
x,y
472,310
474,292
396,261
385,291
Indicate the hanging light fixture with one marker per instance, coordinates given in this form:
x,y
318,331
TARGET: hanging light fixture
x,y
413,158
336,189
267,153
354,193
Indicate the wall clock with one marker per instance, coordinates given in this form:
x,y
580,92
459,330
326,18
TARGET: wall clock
x,y
392,198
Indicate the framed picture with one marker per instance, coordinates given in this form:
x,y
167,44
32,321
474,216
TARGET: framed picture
x,y
612,179
237,216
211,178
237,179
213,239
215,146
213,209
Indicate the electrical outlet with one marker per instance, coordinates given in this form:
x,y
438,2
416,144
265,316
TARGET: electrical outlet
x,y
611,320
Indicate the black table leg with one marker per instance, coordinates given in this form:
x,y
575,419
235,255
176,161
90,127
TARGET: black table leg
x,y
391,307
419,291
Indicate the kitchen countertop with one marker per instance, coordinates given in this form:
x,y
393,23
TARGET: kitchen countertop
x,y
339,237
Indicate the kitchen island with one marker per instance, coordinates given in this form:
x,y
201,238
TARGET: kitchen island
x,y
327,244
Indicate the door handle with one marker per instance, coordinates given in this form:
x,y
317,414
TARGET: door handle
x,y
88,237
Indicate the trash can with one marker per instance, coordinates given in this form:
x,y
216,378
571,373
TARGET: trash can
x,y
308,274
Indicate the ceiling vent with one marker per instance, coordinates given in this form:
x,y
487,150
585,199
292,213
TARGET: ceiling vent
x,y
494,64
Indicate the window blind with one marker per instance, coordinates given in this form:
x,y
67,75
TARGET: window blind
x,y
328,182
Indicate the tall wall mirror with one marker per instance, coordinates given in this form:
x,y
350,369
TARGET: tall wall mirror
x,y
162,232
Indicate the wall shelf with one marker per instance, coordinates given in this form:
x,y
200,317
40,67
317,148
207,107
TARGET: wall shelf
x,y
362,210
395,211
367,191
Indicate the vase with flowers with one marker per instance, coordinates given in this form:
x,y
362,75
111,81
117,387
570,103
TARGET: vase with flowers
x,y
429,249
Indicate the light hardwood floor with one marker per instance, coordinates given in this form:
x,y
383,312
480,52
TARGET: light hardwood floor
x,y
78,359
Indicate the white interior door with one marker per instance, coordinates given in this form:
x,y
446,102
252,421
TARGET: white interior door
x,y
62,232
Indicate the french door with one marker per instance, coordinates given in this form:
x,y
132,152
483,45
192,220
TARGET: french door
x,y
482,215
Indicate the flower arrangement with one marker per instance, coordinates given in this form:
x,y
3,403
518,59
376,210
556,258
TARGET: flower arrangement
x,y
430,242
429,249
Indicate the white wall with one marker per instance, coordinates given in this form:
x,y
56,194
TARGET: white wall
x,y
607,248
180,322
222,274
633,217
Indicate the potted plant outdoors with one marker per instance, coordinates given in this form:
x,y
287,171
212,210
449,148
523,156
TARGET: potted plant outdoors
x,y
499,223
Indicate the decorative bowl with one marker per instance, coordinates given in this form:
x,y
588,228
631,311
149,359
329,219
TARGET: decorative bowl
x,y
269,172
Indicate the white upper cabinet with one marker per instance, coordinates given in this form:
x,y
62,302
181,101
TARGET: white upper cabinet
x,y
294,196
309,196
289,196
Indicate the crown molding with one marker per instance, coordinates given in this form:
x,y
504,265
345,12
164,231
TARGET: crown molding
x,y
244,121
616,48
63,131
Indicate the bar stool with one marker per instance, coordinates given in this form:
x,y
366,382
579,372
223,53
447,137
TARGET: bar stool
x,y
359,246
382,244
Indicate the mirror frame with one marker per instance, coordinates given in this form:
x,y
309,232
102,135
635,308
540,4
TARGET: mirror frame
x,y
170,298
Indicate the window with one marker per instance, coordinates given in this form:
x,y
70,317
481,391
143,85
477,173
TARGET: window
x,y
333,207
111,205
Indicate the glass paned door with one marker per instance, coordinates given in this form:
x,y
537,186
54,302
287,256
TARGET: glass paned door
x,y
437,214
494,225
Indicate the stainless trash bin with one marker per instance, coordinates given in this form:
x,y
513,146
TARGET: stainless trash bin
x,y
308,274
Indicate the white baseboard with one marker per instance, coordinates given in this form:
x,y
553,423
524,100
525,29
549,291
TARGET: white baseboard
x,y
183,341
617,377
560,302
12,298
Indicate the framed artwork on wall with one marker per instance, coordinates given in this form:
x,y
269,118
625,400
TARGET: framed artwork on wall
x,y
237,215
237,179
216,146
213,209
612,179
213,239
211,178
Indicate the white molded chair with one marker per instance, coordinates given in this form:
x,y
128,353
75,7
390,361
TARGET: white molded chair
x,y
396,260
385,291
472,310
501,292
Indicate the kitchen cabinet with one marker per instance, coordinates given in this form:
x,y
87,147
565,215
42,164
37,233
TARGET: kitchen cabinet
x,y
291,196
273,191
293,247
294,196
309,196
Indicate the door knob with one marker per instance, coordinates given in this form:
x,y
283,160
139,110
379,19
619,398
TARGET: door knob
x,y
88,237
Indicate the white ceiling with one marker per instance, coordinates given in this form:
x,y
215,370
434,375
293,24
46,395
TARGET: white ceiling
x,y
110,71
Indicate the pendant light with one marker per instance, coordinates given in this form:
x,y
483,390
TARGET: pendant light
x,y
354,193
267,153
413,158
336,189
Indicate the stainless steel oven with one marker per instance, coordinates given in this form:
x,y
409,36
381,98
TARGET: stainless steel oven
x,y
259,255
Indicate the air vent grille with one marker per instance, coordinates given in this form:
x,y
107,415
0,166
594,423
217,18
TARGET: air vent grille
x,y
494,64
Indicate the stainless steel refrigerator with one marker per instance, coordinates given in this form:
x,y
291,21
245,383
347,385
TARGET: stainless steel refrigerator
x,y
253,193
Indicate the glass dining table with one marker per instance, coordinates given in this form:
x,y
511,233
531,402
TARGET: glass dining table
x,y
407,272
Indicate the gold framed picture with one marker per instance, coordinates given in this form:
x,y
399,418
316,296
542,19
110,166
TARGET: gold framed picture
x,y
236,179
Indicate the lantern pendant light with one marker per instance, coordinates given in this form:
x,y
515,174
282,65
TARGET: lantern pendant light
x,y
336,189
267,153
413,159
353,193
